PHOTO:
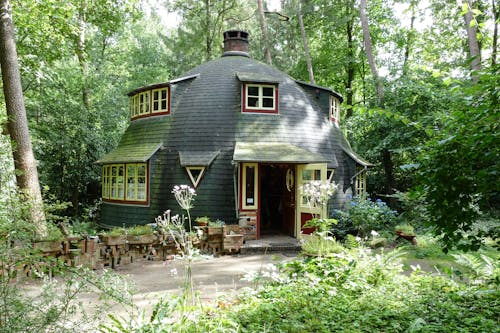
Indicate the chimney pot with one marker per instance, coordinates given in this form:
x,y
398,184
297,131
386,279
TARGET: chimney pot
x,y
235,43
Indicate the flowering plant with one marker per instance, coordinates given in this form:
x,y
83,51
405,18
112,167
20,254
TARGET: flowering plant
x,y
184,195
317,193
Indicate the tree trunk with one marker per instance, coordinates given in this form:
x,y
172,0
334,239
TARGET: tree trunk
x,y
17,123
495,33
265,36
304,42
350,66
208,39
474,51
82,54
369,51
409,38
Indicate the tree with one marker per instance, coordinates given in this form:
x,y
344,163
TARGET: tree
x,y
474,50
369,51
304,43
265,36
17,122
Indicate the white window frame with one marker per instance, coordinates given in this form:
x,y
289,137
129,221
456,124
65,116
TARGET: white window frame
x,y
260,98
334,110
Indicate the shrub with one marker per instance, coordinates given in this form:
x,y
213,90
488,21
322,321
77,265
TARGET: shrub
x,y
363,216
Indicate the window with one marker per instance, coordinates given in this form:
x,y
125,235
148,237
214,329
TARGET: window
x,y
125,182
195,173
249,183
309,175
143,103
334,110
360,181
150,102
160,100
260,98
329,174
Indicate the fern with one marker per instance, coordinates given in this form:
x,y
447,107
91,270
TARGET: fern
x,y
480,268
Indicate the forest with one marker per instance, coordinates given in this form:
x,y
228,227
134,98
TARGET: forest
x,y
421,88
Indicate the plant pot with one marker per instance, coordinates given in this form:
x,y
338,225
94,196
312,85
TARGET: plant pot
x,y
141,239
113,240
47,246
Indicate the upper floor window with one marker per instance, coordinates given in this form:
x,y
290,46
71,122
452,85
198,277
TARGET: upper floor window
x,y
334,110
261,98
160,100
150,102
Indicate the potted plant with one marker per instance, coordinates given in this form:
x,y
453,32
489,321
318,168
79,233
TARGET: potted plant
x,y
202,221
140,234
216,227
115,236
52,242
407,232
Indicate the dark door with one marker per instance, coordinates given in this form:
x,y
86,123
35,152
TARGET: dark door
x,y
277,204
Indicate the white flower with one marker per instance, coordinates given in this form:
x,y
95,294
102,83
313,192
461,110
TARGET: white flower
x,y
374,233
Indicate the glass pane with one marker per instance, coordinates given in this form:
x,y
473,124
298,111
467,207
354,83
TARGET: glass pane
x,y
131,188
307,175
164,94
141,170
164,105
317,174
268,103
250,185
268,91
156,95
155,106
253,102
253,91
141,188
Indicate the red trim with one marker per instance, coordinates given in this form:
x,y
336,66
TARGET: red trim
x,y
244,108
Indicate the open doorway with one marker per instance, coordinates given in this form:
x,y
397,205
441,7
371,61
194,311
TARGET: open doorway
x,y
277,200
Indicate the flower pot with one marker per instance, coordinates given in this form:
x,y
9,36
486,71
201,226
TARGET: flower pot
x,y
141,239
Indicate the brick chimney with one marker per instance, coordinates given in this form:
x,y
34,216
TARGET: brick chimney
x,y
235,43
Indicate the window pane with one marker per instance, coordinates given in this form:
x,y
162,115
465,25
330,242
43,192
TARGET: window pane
x,y
307,175
317,174
253,91
155,95
141,188
141,170
163,105
155,106
253,101
268,91
268,103
250,185
164,94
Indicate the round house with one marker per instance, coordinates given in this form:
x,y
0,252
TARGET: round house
x,y
245,135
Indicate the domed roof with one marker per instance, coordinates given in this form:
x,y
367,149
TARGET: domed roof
x,y
208,116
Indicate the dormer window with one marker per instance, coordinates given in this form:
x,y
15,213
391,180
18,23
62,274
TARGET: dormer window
x,y
150,101
334,110
160,100
260,98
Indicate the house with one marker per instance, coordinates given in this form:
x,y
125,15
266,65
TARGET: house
x,y
241,132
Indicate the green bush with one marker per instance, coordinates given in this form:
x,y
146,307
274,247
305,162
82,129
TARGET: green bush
x,y
363,216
